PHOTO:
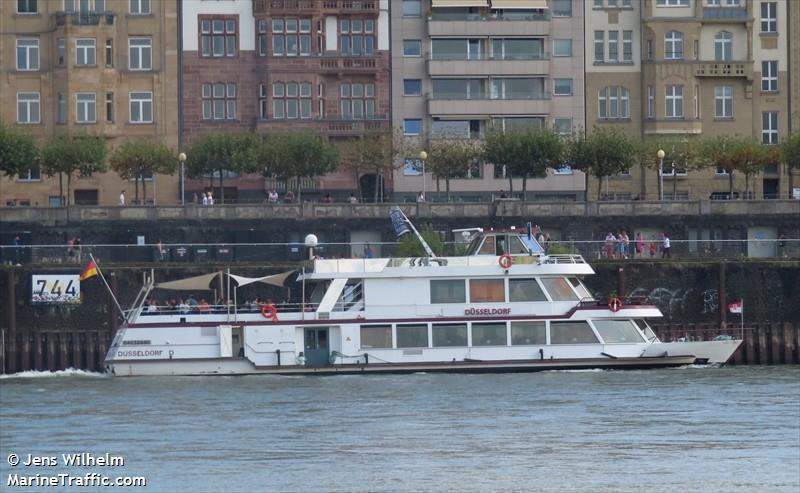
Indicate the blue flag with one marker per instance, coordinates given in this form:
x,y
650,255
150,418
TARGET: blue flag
x,y
399,222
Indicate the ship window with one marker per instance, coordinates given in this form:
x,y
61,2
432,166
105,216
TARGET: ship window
x,y
525,290
617,331
501,243
648,332
448,291
489,334
559,289
447,335
376,336
579,287
571,333
487,291
412,335
516,246
528,333
488,246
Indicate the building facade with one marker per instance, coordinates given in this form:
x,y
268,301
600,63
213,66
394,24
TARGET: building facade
x,y
463,67
689,68
103,67
276,66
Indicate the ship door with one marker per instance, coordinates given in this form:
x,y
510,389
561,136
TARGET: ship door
x,y
317,350
237,343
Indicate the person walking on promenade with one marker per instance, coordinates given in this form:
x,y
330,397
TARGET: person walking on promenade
x,y
665,246
639,245
122,198
611,240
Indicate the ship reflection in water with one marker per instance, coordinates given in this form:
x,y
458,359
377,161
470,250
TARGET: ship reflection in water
x,y
726,429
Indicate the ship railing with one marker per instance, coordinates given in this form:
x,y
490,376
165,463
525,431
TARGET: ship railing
x,y
626,301
563,258
246,308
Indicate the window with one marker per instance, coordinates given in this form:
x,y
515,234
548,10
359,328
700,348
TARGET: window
x,y
356,37
571,333
723,46
141,107
61,108
27,54
723,102
769,17
627,46
672,3
262,101
376,336
614,103
291,100
562,47
769,76
411,336
34,173
412,126
217,37
139,7
562,87
493,334
517,48
412,87
673,45
449,335
617,331
219,101
613,46
109,53
651,102
412,47
517,88
487,291
564,127
110,107
561,8
528,334
262,38
650,49
412,8
357,101
61,52
85,52
27,6
28,107
599,46
674,101
86,107
448,291
559,289
769,127
140,53
525,290
285,38
576,283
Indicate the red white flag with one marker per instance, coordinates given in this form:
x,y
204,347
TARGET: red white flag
x,y
736,306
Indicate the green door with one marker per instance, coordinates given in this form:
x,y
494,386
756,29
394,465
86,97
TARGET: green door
x,y
316,347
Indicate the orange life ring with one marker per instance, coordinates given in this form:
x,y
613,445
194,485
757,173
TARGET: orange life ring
x,y
505,261
615,304
269,311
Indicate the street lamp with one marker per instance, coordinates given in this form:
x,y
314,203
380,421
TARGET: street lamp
x,y
661,155
182,160
422,157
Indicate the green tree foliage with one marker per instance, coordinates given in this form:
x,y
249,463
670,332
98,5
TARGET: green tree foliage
x,y
217,153
68,155
680,153
297,155
140,159
526,153
605,152
790,152
370,152
737,154
18,152
451,158
410,246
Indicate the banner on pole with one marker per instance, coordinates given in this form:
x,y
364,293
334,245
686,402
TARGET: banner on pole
x,y
736,306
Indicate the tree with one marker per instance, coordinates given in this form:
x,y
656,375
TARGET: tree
x,y
298,155
218,153
139,159
527,153
18,152
371,151
451,158
66,155
790,152
411,247
737,154
603,153
681,153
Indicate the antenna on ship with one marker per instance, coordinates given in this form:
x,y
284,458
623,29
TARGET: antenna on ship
x,y
402,225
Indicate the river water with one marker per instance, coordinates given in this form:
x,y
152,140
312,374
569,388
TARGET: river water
x,y
734,429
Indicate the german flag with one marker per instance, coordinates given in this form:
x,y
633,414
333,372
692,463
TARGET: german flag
x,y
90,271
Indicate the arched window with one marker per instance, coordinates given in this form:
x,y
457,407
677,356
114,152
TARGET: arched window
x,y
613,103
673,45
723,46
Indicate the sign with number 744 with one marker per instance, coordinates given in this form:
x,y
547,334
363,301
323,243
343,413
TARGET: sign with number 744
x,y
55,288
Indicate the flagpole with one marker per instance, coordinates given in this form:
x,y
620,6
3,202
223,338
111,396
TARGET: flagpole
x,y
419,236
100,272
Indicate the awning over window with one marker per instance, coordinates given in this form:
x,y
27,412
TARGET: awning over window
x,y
459,3
519,4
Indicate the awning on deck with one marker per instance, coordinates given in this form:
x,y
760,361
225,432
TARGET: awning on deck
x,y
196,283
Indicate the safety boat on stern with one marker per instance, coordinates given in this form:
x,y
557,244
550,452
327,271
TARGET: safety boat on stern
x,y
504,306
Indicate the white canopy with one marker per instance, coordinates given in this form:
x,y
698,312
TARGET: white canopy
x,y
196,283
273,279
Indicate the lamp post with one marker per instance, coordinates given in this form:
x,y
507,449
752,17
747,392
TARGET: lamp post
x,y
182,160
422,157
661,155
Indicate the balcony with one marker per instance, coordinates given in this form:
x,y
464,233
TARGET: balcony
x,y
488,107
329,126
316,6
476,25
729,69
489,67
725,14
347,65
84,18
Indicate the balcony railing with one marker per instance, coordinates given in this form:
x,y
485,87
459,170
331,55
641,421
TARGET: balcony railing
x,y
347,64
725,13
84,18
262,6
438,15
721,69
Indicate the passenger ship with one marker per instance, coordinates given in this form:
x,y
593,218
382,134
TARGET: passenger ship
x,y
504,306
